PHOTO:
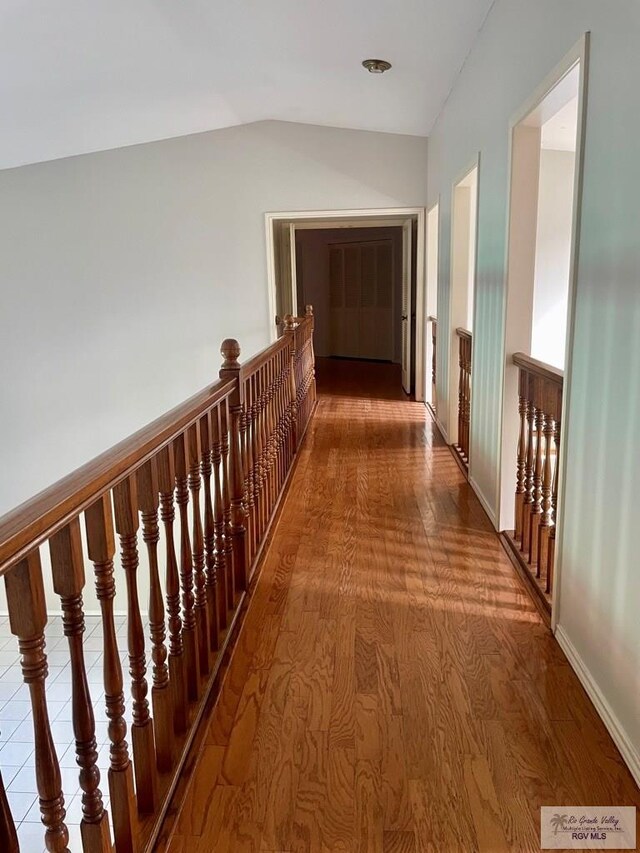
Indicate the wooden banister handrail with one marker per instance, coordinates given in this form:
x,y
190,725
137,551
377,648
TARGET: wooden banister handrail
x,y
210,473
464,333
538,368
37,519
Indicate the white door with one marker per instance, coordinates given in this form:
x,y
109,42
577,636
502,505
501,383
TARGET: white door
x,y
406,306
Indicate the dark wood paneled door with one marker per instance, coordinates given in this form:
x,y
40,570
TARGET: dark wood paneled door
x,y
361,299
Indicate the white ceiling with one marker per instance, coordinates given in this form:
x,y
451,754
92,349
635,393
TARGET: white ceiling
x,y
86,75
560,132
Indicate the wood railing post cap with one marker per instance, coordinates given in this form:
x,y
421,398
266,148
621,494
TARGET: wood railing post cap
x,y
230,351
289,322
308,310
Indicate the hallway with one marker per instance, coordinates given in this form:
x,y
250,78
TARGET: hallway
x,y
393,687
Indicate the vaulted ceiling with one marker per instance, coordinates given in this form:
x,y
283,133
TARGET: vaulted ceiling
x,y
87,75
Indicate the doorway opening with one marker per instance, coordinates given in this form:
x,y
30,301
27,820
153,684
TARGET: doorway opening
x,y
463,280
546,167
363,273
431,332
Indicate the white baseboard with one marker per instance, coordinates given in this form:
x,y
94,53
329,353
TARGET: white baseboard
x,y
629,752
485,504
443,431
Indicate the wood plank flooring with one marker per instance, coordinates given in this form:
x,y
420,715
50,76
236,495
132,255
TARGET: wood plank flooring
x,y
393,687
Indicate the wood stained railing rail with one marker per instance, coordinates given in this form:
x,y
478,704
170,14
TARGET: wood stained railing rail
x,y
540,412
185,504
464,394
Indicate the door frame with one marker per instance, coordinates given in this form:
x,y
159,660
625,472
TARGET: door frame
x,y
362,218
429,297
579,53
452,342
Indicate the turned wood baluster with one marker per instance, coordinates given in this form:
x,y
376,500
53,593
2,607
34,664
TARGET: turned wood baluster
x,y
102,548
148,502
125,504
226,498
244,443
434,336
209,534
255,461
261,472
293,390
281,432
8,834
27,619
231,369
460,394
522,454
67,566
177,661
467,410
271,484
288,418
251,521
257,458
554,502
536,503
244,455
547,479
528,469
312,366
258,455
192,660
218,518
278,435
269,430
199,577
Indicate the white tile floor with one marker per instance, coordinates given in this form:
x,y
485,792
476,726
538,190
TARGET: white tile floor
x,y
16,729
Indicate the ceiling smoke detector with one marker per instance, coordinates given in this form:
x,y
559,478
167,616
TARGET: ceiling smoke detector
x,y
376,66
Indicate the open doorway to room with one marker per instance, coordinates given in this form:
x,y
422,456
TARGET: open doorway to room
x,y
463,280
546,168
363,272
431,331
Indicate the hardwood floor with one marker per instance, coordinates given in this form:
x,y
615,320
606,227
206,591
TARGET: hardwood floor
x,y
393,687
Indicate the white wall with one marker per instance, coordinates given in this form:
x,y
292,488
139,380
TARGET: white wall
x,y
553,250
520,43
123,271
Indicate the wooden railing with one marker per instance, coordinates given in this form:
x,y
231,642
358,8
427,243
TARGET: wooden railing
x,y
434,343
212,471
464,394
536,498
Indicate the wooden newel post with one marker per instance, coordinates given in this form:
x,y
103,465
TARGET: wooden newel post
x,y
231,369
27,619
67,565
290,330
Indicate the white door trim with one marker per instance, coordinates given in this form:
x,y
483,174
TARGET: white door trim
x,y
366,217
451,341
579,53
